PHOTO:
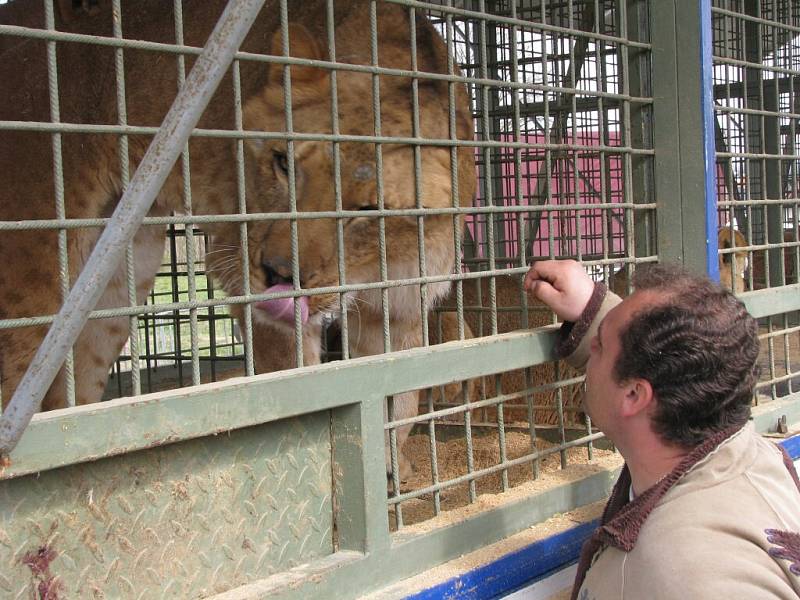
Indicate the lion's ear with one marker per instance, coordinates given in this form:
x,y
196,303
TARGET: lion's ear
x,y
301,45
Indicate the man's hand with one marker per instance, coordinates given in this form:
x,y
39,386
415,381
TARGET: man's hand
x,y
561,284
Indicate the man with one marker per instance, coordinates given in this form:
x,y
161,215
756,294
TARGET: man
x,y
705,508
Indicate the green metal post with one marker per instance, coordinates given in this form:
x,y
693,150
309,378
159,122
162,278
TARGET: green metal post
x,y
359,477
678,133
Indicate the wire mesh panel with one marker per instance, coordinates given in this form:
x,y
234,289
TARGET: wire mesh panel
x,y
557,96
563,131
756,87
369,177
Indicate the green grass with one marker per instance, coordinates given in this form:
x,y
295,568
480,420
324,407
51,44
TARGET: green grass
x,y
165,333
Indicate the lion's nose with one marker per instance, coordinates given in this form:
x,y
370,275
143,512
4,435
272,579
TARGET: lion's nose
x,y
277,270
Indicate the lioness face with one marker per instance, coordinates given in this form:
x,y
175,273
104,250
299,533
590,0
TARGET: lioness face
x,y
317,172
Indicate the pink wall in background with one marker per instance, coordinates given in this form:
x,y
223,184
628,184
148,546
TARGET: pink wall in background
x,y
568,186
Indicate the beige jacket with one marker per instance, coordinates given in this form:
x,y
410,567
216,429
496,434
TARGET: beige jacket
x,y
725,524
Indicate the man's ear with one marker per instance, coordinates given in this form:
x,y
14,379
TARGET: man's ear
x,y
638,397
301,45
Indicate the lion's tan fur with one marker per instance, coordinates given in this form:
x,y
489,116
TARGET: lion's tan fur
x,y
93,180
733,266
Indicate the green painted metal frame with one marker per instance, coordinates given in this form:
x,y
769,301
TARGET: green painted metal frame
x,y
58,438
772,301
766,416
351,574
352,394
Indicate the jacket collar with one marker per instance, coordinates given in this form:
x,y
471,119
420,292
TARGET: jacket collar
x,y
623,519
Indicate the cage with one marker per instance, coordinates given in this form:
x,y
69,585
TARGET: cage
x,y
330,275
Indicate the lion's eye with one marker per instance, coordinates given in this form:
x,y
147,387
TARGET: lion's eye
x,y
280,163
368,207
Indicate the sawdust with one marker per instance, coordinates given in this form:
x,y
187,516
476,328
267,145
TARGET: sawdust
x,y
452,463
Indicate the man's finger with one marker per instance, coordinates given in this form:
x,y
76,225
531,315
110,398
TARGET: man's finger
x,y
545,292
531,277
549,270
540,270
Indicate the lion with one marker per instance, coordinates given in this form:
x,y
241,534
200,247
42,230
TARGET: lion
x,y
732,265
281,174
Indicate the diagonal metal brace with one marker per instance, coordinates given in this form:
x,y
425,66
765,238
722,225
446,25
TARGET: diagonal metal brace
x,y
167,145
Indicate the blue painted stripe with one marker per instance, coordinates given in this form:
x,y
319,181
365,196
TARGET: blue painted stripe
x,y
523,567
792,446
709,149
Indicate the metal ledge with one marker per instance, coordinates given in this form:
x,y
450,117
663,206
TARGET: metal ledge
x,y
765,416
772,301
73,435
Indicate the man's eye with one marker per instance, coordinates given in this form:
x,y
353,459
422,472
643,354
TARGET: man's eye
x,y
280,163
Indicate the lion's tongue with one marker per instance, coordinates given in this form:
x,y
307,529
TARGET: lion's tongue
x,y
283,308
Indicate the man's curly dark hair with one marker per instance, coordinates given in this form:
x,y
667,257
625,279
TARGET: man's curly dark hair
x,y
698,349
